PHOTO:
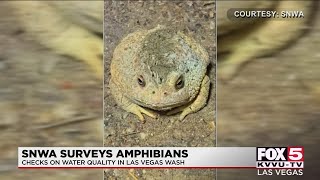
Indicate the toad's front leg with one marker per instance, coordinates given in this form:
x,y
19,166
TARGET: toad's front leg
x,y
128,105
53,30
198,103
264,39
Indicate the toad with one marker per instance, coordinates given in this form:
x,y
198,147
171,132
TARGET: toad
x,y
159,70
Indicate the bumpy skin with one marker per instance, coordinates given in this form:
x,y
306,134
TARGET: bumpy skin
x,y
67,27
159,69
246,40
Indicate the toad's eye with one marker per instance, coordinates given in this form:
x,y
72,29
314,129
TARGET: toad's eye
x,y
180,83
141,81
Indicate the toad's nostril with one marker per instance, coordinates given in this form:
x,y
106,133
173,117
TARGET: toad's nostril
x,y
153,92
165,93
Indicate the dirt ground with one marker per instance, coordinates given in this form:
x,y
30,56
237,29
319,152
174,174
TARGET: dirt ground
x,y
124,129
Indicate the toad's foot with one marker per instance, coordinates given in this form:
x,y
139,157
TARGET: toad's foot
x,y
197,104
84,46
264,39
313,87
137,110
54,30
128,105
228,69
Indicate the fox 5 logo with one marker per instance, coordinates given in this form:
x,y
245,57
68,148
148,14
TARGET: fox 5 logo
x,y
292,153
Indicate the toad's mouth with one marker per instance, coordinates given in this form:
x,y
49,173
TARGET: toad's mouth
x,y
161,106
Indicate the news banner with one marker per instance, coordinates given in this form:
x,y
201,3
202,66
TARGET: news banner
x,y
282,161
